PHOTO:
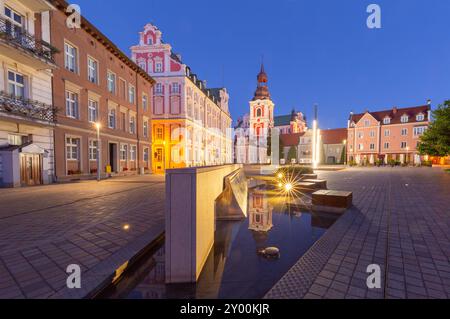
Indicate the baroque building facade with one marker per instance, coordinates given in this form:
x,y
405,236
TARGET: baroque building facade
x,y
191,123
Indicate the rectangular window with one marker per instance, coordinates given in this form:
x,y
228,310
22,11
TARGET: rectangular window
x,y
71,104
93,150
123,91
404,131
111,82
372,133
175,154
175,88
145,126
112,118
16,84
146,155
387,132
360,135
92,70
92,111
131,94
133,151
158,89
403,145
70,57
132,124
145,102
123,152
419,130
366,123
14,22
361,147
158,67
159,133
72,148
372,146
386,145
123,121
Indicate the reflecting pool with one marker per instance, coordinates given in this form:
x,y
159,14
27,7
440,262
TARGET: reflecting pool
x,y
237,266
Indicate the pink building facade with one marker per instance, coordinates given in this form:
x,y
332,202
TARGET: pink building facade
x,y
191,123
387,135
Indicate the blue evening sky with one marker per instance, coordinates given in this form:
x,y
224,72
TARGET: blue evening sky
x,y
315,51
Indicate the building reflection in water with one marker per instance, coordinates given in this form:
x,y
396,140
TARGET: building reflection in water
x,y
234,269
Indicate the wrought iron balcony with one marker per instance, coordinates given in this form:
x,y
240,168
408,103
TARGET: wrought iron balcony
x,y
27,108
21,39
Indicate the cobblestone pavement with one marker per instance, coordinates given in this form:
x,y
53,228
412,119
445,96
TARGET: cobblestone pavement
x,y
44,229
400,221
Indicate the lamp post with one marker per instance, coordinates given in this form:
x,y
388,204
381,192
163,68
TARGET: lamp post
x,y
98,126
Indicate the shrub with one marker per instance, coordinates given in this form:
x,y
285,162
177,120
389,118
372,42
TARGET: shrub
x,y
294,170
352,163
427,163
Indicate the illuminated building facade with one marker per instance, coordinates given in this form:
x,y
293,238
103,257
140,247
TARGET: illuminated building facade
x,y
191,123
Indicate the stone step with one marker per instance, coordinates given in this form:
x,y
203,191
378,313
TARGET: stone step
x,y
332,201
305,186
309,176
320,183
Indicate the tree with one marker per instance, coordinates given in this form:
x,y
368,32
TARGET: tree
x,y
436,140
343,154
281,149
292,154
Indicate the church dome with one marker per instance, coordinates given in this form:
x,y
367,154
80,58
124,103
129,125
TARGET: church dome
x,y
262,91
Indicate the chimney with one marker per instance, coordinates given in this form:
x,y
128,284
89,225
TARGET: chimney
x,y
394,110
429,102
204,83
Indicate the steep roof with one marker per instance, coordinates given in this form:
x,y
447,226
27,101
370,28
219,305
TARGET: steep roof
x,y
395,114
282,120
334,136
291,139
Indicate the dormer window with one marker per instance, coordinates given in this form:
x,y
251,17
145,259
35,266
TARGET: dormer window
x,y
404,118
420,117
387,120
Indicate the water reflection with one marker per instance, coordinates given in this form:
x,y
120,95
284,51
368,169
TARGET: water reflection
x,y
234,268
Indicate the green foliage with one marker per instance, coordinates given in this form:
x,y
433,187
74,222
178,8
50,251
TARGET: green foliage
x,y
294,170
436,140
344,154
292,154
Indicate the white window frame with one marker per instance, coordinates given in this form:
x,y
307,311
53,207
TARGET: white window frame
x,y
144,102
146,153
372,133
145,128
92,111
70,58
132,124
372,147
112,116
405,145
11,19
133,152
158,67
131,94
92,70
177,86
159,88
112,82
366,122
419,130
404,132
404,119
386,145
15,85
387,120
387,132
72,104
420,117
123,151
71,146
93,150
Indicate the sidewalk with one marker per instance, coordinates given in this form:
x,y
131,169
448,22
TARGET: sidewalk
x,y
97,225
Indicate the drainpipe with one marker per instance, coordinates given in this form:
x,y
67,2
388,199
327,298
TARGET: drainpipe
x,y
138,120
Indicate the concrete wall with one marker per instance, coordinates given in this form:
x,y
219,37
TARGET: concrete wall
x,y
190,218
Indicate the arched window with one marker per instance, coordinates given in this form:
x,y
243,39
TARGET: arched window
x,y
150,40
258,113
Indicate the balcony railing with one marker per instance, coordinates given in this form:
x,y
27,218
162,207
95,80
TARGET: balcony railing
x,y
24,40
27,108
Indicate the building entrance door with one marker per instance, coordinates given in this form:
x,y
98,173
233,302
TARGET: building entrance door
x,y
30,169
113,157
158,159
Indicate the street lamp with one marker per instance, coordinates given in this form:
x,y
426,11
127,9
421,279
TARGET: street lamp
x,y
98,126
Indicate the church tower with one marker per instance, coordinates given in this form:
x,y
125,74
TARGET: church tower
x,y
261,118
